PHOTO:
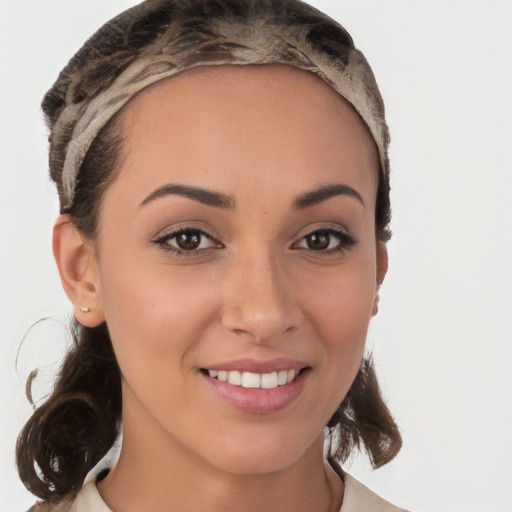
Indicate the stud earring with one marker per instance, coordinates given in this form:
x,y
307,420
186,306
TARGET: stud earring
x,y
85,310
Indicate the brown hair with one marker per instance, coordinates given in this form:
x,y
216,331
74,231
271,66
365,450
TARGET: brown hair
x,y
69,433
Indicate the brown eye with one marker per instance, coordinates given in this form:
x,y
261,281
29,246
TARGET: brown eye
x,y
326,241
318,241
188,240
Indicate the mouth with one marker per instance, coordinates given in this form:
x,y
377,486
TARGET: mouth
x,y
256,386
251,380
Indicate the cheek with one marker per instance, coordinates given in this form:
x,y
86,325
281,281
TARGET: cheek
x,y
339,309
152,315
344,330
339,303
154,326
346,327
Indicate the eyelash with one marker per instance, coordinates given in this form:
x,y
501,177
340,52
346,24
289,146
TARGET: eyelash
x,y
346,241
163,242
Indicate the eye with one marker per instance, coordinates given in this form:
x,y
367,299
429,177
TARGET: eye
x,y
327,241
186,241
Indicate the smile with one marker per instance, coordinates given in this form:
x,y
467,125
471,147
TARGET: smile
x,y
258,387
251,380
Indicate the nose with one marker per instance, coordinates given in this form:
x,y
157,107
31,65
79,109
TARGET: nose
x,y
260,302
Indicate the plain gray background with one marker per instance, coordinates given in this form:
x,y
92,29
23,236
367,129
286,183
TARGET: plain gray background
x,y
443,337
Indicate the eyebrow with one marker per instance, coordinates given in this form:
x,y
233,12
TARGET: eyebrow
x,y
197,194
219,200
323,193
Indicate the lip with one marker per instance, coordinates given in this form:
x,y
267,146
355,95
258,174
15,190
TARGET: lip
x,y
258,401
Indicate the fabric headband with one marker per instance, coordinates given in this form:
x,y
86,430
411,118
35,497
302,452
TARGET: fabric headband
x,y
349,75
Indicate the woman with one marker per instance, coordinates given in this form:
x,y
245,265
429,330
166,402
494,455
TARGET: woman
x,y
224,186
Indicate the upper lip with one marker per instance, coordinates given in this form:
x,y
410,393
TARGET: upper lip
x,y
259,366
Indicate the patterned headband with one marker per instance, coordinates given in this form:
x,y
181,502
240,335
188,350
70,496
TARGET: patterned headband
x,y
232,42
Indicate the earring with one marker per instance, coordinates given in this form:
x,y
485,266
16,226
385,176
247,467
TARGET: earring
x,y
376,304
85,310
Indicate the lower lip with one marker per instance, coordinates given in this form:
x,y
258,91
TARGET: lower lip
x,y
258,401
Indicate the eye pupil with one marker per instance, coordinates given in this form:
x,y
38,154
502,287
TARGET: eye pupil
x,y
318,241
188,240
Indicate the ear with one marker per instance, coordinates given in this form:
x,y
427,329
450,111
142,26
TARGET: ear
x,y
78,271
382,262
382,268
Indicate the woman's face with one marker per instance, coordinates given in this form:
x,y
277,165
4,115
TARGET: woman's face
x,y
238,242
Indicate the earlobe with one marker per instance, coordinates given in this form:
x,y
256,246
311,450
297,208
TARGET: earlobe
x,y
78,272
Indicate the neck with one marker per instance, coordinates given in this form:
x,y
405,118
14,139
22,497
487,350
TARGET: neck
x,y
185,482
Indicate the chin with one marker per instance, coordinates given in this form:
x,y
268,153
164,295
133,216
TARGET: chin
x,y
244,455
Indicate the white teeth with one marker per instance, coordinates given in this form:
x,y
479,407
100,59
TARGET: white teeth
x,y
251,380
269,380
235,378
255,380
282,377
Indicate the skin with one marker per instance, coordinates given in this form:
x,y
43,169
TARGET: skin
x,y
264,136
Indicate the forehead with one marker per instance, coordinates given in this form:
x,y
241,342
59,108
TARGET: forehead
x,y
242,116
198,84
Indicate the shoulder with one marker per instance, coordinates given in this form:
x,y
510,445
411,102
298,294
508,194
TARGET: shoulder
x,y
358,498
87,500
44,506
